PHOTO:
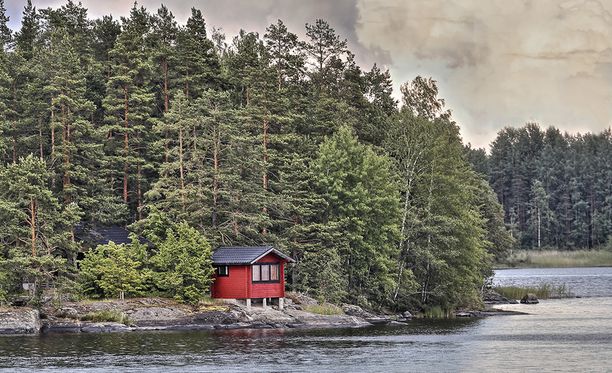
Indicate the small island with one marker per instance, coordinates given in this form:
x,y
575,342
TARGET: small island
x,y
139,155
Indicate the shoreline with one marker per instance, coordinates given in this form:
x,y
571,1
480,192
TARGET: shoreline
x,y
156,314
160,314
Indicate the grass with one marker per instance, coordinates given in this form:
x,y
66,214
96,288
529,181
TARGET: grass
x,y
436,312
107,316
543,291
324,309
560,259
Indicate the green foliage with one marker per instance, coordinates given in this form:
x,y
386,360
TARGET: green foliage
x,y
107,316
436,312
111,271
359,221
554,187
271,140
559,259
443,244
183,264
542,291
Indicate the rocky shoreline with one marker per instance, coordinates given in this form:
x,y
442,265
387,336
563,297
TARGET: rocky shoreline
x,y
143,314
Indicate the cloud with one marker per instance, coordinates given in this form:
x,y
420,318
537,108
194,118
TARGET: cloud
x,y
502,63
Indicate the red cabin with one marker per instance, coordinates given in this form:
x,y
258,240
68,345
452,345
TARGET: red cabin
x,y
250,273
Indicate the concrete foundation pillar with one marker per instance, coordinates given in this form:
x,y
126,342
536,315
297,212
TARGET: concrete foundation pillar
x,y
264,302
248,304
281,303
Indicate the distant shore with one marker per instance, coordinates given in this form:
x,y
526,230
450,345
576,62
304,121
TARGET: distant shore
x,y
557,259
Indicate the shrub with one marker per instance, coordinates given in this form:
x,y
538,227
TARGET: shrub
x,y
107,316
542,291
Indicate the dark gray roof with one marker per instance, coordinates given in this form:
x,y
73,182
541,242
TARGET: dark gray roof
x,y
103,235
244,254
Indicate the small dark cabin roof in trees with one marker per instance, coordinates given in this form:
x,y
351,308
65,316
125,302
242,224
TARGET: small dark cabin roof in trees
x,y
103,235
237,255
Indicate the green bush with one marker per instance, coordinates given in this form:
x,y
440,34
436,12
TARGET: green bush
x,y
111,271
543,291
107,316
436,312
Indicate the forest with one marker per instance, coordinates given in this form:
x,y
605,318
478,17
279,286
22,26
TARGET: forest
x,y
556,188
193,141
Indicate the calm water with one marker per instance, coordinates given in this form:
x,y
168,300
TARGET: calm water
x,y
571,335
586,282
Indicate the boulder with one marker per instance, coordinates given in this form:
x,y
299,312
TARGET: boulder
x,y
105,327
20,321
530,299
353,310
300,298
67,313
407,315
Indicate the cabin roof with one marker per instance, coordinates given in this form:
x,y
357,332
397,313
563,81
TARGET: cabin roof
x,y
102,235
245,254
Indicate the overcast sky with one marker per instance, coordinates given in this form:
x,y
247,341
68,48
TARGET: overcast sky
x,y
498,62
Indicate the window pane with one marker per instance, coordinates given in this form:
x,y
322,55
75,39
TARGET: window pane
x,y
265,272
274,269
256,273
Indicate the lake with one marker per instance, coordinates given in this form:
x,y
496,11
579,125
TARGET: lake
x,y
557,335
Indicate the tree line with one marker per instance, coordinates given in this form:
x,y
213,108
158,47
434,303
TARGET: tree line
x,y
264,139
556,188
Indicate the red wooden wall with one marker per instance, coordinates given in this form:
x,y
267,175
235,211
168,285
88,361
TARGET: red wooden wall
x,y
238,285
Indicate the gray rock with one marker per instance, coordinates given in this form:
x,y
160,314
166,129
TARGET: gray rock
x,y
20,321
216,317
105,327
378,320
151,316
353,310
530,299
492,297
67,313
300,298
407,315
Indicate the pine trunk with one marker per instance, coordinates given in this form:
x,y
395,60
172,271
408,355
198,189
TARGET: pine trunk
x,y
266,126
33,225
215,181
126,146
539,228
139,191
40,140
181,168
166,105
65,143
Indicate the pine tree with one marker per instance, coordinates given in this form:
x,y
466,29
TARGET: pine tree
x,y
128,107
199,67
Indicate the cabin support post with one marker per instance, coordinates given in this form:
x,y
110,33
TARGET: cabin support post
x,y
281,303
264,302
248,303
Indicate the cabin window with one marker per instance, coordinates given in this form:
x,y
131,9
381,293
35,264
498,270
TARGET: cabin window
x,y
222,270
268,272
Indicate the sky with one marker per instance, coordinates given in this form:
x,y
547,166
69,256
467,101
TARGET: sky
x,y
498,63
